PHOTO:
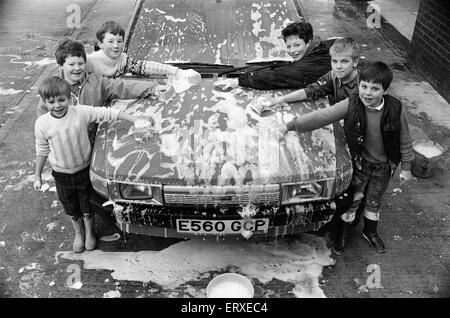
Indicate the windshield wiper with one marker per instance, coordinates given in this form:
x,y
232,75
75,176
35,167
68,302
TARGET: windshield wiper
x,y
254,66
200,65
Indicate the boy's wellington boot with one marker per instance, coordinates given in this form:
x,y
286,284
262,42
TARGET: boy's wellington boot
x,y
342,231
359,213
91,240
370,235
78,242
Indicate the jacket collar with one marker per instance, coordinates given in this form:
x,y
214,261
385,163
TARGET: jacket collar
x,y
84,78
315,42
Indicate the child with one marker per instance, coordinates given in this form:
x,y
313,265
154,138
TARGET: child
x,y
378,137
311,60
61,134
112,62
338,84
92,88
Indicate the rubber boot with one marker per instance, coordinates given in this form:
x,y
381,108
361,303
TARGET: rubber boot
x,y
78,242
371,236
359,213
342,231
91,240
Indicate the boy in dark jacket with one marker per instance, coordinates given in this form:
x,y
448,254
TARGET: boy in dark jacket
x,y
338,84
311,61
377,134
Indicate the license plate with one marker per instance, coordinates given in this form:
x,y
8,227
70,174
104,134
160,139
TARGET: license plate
x,y
222,226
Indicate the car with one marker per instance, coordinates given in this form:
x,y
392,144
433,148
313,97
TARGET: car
x,y
213,167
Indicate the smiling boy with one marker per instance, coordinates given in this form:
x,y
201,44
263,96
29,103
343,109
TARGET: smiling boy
x,y
311,60
337,84
111,61
377,133
92,88
61,135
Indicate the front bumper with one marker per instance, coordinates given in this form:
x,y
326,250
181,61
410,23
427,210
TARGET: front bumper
x,y
161,221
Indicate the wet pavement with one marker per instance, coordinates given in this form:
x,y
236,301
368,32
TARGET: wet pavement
x,y
35,235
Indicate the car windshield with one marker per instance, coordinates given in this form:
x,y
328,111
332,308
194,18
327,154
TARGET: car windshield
x,y
225,32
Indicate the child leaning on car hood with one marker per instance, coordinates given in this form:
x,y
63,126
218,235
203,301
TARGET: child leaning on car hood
x,y
111,61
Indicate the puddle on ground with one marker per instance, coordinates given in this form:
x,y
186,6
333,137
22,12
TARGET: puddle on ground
x,y
299,262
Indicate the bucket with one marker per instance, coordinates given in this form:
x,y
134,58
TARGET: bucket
x,y
230,285
426,156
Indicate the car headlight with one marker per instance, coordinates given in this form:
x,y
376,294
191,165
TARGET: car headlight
x,y
299,192
135,192
151,194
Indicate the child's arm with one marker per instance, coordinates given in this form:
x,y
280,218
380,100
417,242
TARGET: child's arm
x,y
295,96
99,114
318,118
126,89
149,68
298,95
321,88
40,162
406,151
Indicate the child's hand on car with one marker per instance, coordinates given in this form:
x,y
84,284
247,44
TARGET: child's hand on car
x,y
143,121
189,76
267,101
144,127
226,84
164,92
282,129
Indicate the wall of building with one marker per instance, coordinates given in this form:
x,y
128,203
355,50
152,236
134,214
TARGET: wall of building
x,y
429,50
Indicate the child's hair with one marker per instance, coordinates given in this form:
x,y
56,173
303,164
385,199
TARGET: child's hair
x,y
67,47
112,27
345,46
378,73
302,29
53,87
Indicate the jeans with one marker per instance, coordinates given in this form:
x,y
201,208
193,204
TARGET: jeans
x,y
369,185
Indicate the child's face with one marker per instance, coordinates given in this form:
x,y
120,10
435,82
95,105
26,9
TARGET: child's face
x,y
296,47
112,45
73,69
343,66
371,94
57,106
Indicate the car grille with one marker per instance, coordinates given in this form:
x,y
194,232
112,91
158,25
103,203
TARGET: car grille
x,y
263,195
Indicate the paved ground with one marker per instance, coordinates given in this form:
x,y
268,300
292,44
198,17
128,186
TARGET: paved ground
x,y
415,222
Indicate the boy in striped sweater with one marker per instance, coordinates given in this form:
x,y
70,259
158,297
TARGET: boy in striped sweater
x,y
61,135
110,60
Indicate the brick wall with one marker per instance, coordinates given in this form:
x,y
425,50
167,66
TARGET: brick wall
x,y
429,50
